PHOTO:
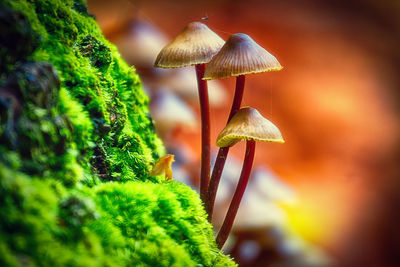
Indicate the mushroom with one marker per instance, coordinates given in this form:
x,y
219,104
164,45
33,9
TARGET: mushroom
x,y
239,56
163,166
247,124
195,45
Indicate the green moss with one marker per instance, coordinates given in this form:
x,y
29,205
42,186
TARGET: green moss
x,y
76,147
113,224
98,53
95,81
159,225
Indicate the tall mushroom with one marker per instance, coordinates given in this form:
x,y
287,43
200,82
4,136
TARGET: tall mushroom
x,y
247,124
239,56
195,45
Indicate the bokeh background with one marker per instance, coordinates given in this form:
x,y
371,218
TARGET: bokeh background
x,y
330,195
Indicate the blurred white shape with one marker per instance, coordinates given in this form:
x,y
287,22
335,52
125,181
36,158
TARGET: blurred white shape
x,y
229,179
183,82
272,187
229,244
257,212
291,246
216,93
258,207
142,43
169,112
184,155
315,257
249,250
301,253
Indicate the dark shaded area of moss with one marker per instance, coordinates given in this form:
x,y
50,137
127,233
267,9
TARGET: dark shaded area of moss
x,y
99,102
18,40
98,53
76,146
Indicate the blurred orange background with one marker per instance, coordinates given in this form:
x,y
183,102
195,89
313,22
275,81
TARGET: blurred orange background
x,y
336,103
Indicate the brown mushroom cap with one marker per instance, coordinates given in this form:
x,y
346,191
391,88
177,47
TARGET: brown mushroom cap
x,y
239,56
196,44
248,124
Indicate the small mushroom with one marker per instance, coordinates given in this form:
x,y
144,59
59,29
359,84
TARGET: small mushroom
x,y
163,167
195,45
247,124
239,56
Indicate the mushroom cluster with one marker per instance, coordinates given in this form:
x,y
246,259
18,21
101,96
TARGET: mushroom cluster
x,y
240,55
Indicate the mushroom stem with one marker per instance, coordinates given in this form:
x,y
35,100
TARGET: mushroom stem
x,y
237,99
223,151
237,197
205,131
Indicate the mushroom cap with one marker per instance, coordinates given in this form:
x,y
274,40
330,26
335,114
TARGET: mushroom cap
x,y
163,166
248,124
240,55
196,44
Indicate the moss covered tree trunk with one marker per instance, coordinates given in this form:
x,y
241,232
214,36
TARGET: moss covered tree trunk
x,y
76,147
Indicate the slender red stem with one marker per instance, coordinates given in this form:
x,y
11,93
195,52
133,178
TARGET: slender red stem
x,y
223,151
205,131
237,99
237,197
